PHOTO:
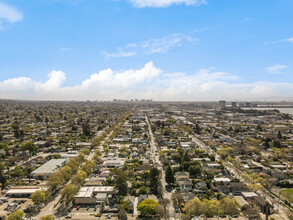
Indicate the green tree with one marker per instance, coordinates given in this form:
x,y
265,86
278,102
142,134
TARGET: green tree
x,y
4,147
194,207
38,197
47,217
3,178
15,127
210,208
148,207
99,153
96,141
68,193
186,165
106,149
229,206
122,214
85,151
66,172
17,171
79,178
194,170
56,156
73,163
17,215
30,147
56,180
186,157
143,190
96,158
86,129
124,205
145,176
120,180
197,128
153,175
88,167
169,175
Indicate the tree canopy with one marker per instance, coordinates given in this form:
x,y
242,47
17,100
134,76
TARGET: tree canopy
x,y
47,217
169,175
38,197
68,193
148,207
3,178
120,178
210,208
29,146
17,215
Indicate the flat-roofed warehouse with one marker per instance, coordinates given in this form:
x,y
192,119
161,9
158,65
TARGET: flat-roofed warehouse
x,y
93,195
48,168
24,192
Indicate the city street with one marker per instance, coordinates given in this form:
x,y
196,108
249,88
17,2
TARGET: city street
x,y
157,162
52,206
238,174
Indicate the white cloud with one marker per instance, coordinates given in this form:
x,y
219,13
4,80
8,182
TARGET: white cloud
x,y
290,40
149,82
65,49
162,45
157,45
165,3
56,78
9,14
120,53
276,69
246,19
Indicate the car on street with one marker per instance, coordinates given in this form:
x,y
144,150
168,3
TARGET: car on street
x,y
109,216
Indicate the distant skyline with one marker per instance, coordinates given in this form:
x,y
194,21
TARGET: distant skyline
x,y
165,50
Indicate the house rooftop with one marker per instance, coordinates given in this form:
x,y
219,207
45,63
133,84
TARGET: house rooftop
x,y
249,194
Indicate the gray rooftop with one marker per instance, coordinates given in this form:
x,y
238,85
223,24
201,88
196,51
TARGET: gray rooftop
x,y
49,167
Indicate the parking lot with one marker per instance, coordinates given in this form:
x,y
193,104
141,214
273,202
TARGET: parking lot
x,y
90,209
10,205
88,215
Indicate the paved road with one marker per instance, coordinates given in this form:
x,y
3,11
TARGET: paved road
x,y
238,174
157,162
51,207
135,212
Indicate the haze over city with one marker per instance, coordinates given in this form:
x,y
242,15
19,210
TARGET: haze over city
x,y
165,50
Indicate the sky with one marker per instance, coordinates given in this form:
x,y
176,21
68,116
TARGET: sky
x,y
165,50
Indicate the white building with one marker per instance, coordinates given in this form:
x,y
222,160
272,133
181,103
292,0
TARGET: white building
x,y
93,195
